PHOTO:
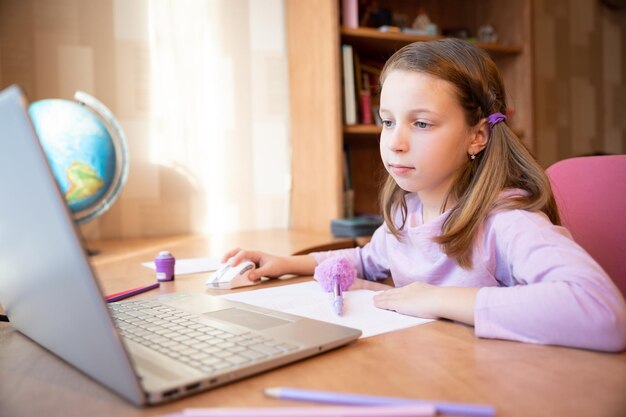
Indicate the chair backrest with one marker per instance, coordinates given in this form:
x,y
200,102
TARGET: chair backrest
x,y
591,195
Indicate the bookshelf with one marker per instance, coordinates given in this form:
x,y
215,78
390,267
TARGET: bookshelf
x,y
385,43
322,143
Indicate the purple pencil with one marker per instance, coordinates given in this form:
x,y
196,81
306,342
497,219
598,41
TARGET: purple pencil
x,y
474,410
123,295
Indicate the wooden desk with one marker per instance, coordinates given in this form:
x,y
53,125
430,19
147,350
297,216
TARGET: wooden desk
x,y
440,360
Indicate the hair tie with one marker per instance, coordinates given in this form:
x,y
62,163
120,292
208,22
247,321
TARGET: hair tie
x,y
495,118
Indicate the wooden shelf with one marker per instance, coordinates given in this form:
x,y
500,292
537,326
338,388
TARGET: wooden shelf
x,y
361,135
317,104
382,44
362,129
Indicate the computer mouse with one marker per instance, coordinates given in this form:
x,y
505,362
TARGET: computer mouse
x,y
229,277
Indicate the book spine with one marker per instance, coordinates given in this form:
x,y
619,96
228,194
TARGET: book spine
x,y
365,97
366,107
350,13
349,93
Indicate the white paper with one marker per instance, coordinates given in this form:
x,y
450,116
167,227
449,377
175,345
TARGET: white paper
x,y
191,265
307,299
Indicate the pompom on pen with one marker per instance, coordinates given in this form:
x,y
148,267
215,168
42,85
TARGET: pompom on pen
x,y
335,275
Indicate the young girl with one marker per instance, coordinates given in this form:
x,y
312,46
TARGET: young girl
x,y
471,227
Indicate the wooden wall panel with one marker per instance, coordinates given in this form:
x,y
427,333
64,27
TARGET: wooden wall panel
x,y
580,79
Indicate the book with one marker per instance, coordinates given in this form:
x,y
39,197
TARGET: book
x,y
365,97
370,96
350,13
349,89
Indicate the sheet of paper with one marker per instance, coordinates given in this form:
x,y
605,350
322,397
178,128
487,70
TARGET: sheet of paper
x,y
309,300
191,265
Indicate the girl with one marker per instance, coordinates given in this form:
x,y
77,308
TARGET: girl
x,y
471,228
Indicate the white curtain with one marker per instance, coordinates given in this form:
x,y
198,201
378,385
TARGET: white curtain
x,y
219,108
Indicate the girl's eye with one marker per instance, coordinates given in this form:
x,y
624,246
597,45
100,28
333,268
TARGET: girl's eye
x,y
387,123
422,125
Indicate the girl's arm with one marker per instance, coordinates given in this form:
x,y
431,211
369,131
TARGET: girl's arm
x,y
430,301
272,266
554,292
370,261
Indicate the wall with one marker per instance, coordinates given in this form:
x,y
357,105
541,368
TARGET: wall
x,y
199,87
580,79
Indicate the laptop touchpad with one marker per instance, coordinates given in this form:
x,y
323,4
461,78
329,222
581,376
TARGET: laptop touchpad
x,y
256,321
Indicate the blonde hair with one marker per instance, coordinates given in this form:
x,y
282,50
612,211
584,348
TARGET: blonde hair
x,y
504,163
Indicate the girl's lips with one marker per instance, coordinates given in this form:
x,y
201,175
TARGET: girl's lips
x,y
400,169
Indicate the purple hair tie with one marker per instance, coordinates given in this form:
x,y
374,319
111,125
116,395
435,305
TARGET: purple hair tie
x,y
495,118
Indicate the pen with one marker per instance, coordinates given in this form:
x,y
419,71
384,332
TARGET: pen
x,y
337,298
395,411
129,293
122,292
459,409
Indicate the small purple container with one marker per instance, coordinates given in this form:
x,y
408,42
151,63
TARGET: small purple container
x,y
164,266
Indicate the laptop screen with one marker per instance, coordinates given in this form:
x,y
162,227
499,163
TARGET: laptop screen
x,y
47,287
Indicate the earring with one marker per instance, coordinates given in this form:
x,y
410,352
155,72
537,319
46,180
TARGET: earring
x,y
472,156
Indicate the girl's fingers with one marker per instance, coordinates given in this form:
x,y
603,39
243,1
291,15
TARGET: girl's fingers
x,y
230,254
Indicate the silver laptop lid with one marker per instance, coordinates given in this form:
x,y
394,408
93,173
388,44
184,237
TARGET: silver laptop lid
x,y
47,287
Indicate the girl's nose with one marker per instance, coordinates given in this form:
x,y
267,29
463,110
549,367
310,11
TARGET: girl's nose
x,y
397,140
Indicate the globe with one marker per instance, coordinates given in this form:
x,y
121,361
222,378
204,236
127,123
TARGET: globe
x,y
86,149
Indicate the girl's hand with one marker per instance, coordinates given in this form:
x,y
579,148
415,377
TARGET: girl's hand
x,y
363,284
416,299
271,266
430,302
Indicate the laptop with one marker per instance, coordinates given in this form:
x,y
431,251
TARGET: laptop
x,y
148,351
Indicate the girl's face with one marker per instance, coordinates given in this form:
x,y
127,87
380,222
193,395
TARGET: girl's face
x,y
425,140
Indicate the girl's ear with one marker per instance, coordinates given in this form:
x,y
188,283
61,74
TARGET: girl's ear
x,y
479,138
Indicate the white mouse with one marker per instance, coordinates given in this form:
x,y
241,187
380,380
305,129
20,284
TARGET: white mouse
x,y
228,277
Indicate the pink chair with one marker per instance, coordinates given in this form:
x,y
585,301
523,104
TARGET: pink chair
x,y
591,195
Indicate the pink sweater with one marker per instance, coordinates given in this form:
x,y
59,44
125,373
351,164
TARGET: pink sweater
x,y
537,284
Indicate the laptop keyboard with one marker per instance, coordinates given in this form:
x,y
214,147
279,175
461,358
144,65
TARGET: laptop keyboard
x,y
182,337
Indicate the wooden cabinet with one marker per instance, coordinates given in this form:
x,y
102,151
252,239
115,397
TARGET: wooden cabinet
x,y
318,136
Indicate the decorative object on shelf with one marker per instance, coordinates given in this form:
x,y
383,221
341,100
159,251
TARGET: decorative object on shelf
x,y
86,149
422,25
487,34
421,21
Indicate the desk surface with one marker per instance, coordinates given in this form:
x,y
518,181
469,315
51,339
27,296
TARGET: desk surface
x,y
440,360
